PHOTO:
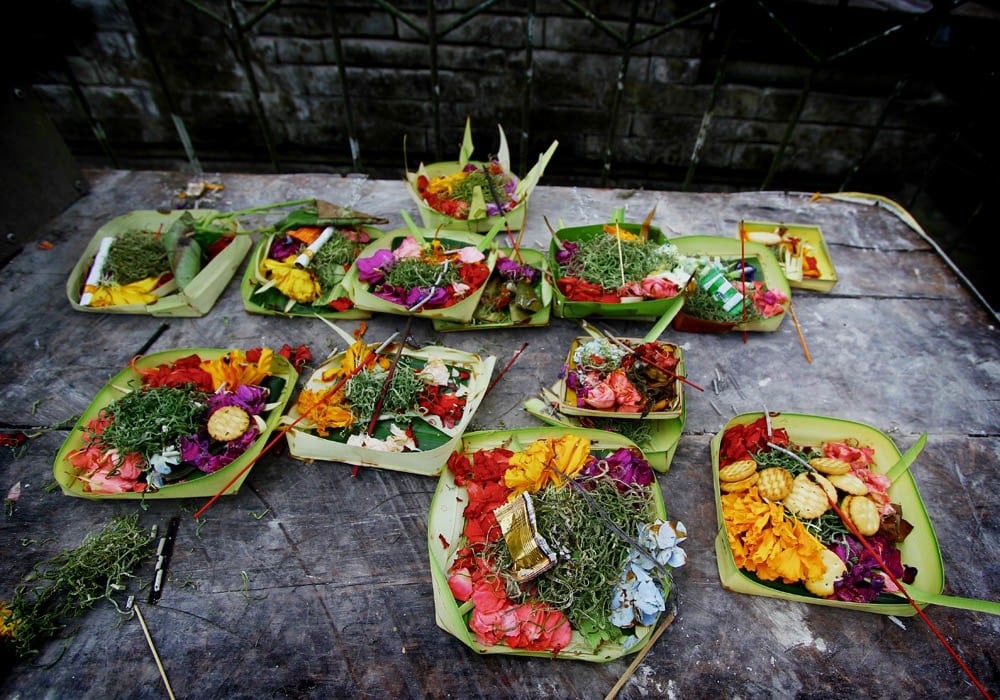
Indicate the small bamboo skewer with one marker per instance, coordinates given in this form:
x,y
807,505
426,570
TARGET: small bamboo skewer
x,y
152,648
621,259
798,329
613,693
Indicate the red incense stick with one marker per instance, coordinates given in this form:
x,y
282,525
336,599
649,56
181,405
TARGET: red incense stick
x,y
892,577
510,362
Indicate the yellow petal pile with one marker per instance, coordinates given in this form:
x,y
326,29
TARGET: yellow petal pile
x,y
295,283
119,295
233,369
544,461
767,543
323,410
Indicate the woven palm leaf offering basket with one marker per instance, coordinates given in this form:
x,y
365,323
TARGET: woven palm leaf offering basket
x,y
824,511
177,424
434,274
733,286
518,294
616,270
657,438
473,195
552,542
298,267
167,264
388,406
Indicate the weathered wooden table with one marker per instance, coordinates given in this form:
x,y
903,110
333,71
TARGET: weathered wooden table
x,y
314,583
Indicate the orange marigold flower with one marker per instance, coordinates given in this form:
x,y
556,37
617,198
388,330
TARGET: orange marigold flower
x,y
766,542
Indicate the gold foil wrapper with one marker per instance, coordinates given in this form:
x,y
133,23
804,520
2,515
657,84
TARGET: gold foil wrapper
x,y
528,549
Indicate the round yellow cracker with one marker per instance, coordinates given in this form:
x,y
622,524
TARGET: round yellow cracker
x,y
737,471
741,485
829,465
849,483
808,499
774,483
228,423
863,513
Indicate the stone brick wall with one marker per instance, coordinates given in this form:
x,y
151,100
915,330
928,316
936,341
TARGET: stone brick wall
x,y
738,96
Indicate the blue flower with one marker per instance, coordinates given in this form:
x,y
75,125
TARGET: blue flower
x,y
638,598
661,539
161,465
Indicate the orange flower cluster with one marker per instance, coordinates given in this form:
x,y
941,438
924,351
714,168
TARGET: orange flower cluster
x,y
768,543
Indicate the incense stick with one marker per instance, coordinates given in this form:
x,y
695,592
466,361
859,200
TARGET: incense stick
x,y
510,362
385,387
743,275
888,572
388,380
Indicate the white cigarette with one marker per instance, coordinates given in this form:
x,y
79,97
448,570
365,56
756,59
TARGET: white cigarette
x,y
307,255
96,270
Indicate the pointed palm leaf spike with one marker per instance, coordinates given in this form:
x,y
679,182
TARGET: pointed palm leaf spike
x,y
503,152
415,230
490,235
477,205
465,153
529,181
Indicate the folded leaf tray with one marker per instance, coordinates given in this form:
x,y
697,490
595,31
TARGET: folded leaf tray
x,y
642,309
434,443
446,522
461,312
477,221
513,319
202,485
567,396
920,548
731,249
196,299
274,303
810,239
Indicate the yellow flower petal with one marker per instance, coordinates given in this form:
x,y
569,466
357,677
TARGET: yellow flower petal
x,y
295,283
323,411
232,369
544,461
119,295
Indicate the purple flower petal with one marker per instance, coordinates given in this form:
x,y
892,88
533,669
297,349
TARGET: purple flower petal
x,y
371,270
